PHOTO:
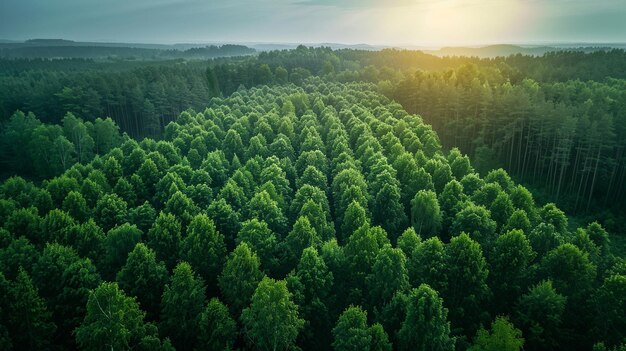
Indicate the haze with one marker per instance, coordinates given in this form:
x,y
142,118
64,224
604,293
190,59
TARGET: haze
x,y
392,22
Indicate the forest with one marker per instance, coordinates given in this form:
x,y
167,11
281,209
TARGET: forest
x,y
314,199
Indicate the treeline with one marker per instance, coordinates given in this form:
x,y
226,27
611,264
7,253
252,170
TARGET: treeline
x,y
136,98
94,51
315,218
37,150
568,137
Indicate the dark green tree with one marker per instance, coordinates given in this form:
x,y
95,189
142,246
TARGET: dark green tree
x,y
29,322
181,305
539,314
217,330
240,277
204,249
426,326
271,322
144,277
425,213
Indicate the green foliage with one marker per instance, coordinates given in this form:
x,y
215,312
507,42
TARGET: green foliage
x,y
539,314
217,330
389,275
181,307
510,267
351,332
143,277
204,249
466,271
425,213
29,323
426,326
503,337
165,238
113,321
240,277
314,185
271,322
119,242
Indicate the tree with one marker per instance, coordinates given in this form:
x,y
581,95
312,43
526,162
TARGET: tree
x,y
428,265
388,211
354,218
315,213
49,269
204,249
76,206
29,322
88,239
181,206
119,242
110,211
164,238
143,277
271,322
389,275
518,220
262,206
56,226
501,209
105,134
544,238
217,330
380,340
226,220
261,240
570,270
232,144
301,236
539,314
408,242
466,291
425,213
79,279
315,288
360,253
351,331
181,305
510,269
426,326
240,277
113,321
551,214
475,221
610,300
503,337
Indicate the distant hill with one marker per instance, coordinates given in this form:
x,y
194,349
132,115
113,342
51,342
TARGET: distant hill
x,y
61,48
492,51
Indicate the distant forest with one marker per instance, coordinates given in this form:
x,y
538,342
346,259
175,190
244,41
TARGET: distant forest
x,y
55,49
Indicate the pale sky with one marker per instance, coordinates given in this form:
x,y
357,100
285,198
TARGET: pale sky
x,y
390,22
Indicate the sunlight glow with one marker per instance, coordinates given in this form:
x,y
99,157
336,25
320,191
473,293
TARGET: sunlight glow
x,y
457,22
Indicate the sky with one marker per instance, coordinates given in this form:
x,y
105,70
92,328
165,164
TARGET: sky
x,y
429,23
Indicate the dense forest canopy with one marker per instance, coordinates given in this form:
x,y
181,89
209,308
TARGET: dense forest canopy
x,y
311,199
554,121
316,216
